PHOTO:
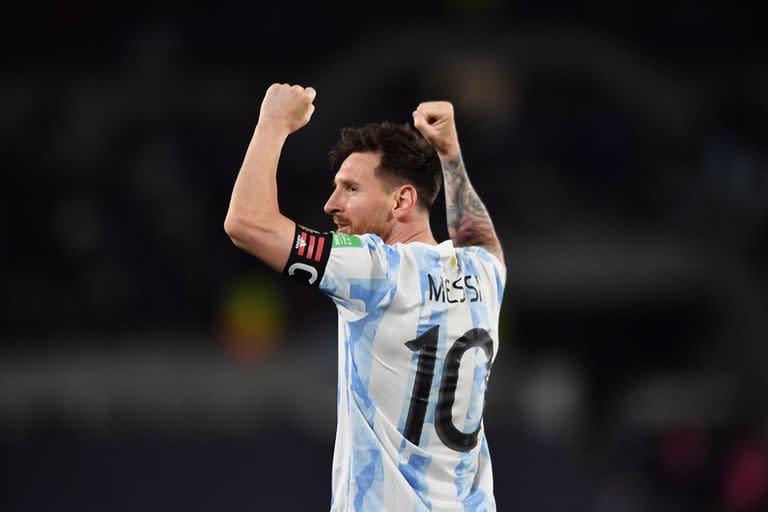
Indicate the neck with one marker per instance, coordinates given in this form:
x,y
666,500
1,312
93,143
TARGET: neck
x,y
405,233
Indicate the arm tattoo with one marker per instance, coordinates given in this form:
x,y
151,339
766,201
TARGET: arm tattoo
x,y
468,219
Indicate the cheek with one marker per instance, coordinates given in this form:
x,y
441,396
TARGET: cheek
x,y
358,205
377,213
367,210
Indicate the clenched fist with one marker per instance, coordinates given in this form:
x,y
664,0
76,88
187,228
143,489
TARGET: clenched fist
x,y
434,119
287,106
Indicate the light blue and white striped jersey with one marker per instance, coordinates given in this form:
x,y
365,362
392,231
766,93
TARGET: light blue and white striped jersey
x,y
418,331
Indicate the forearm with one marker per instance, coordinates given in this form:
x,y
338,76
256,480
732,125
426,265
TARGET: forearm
x,y
254,222
468,220
254,195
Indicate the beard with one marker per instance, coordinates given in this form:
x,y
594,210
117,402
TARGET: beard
x,y
374,226
343,225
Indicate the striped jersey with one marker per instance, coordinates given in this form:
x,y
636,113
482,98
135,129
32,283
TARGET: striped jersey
x,y
418,332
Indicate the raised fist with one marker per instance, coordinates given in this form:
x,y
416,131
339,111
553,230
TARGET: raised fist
x,y
434,119
290,106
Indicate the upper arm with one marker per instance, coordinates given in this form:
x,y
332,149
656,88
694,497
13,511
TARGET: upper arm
x,y
356,271
476,230
270,240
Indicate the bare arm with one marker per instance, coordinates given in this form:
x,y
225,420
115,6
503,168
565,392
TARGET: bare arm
x,y
468,220
254,222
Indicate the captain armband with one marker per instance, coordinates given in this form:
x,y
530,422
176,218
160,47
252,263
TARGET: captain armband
x,y
309,256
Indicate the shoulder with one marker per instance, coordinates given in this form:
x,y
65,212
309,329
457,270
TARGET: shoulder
x,y
363,248
367,240
487,258
362,270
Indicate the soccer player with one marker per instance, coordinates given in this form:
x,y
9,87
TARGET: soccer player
x,y
418,320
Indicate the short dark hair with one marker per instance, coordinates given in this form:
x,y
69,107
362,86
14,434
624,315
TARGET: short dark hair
x,y
406,157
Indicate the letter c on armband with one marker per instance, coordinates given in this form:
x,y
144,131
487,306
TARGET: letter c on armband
x,y
301,266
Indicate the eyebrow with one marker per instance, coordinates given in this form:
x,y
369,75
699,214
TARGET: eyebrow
x,y
343,181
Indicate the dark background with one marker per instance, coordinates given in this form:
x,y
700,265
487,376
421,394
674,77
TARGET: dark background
x,y
148,364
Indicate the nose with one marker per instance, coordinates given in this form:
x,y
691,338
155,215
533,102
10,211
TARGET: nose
x,y
332,206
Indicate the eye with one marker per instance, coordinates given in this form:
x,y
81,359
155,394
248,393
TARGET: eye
x,y
351,188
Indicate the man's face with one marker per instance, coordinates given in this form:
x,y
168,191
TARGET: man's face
x,y
359,202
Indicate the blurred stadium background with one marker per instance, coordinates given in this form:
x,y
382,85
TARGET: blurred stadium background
x,y
147,364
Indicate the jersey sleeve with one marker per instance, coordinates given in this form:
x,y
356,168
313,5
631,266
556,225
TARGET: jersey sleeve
x,y
495,272
356,271
499,268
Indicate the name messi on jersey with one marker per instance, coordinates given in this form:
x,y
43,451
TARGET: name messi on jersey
x,y
444,290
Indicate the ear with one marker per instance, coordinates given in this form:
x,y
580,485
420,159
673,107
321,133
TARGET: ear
x,y
405,199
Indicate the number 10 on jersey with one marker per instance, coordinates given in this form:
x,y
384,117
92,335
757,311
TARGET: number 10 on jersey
x,y
426,346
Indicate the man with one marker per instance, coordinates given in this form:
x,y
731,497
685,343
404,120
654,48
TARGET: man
x,y
418,320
